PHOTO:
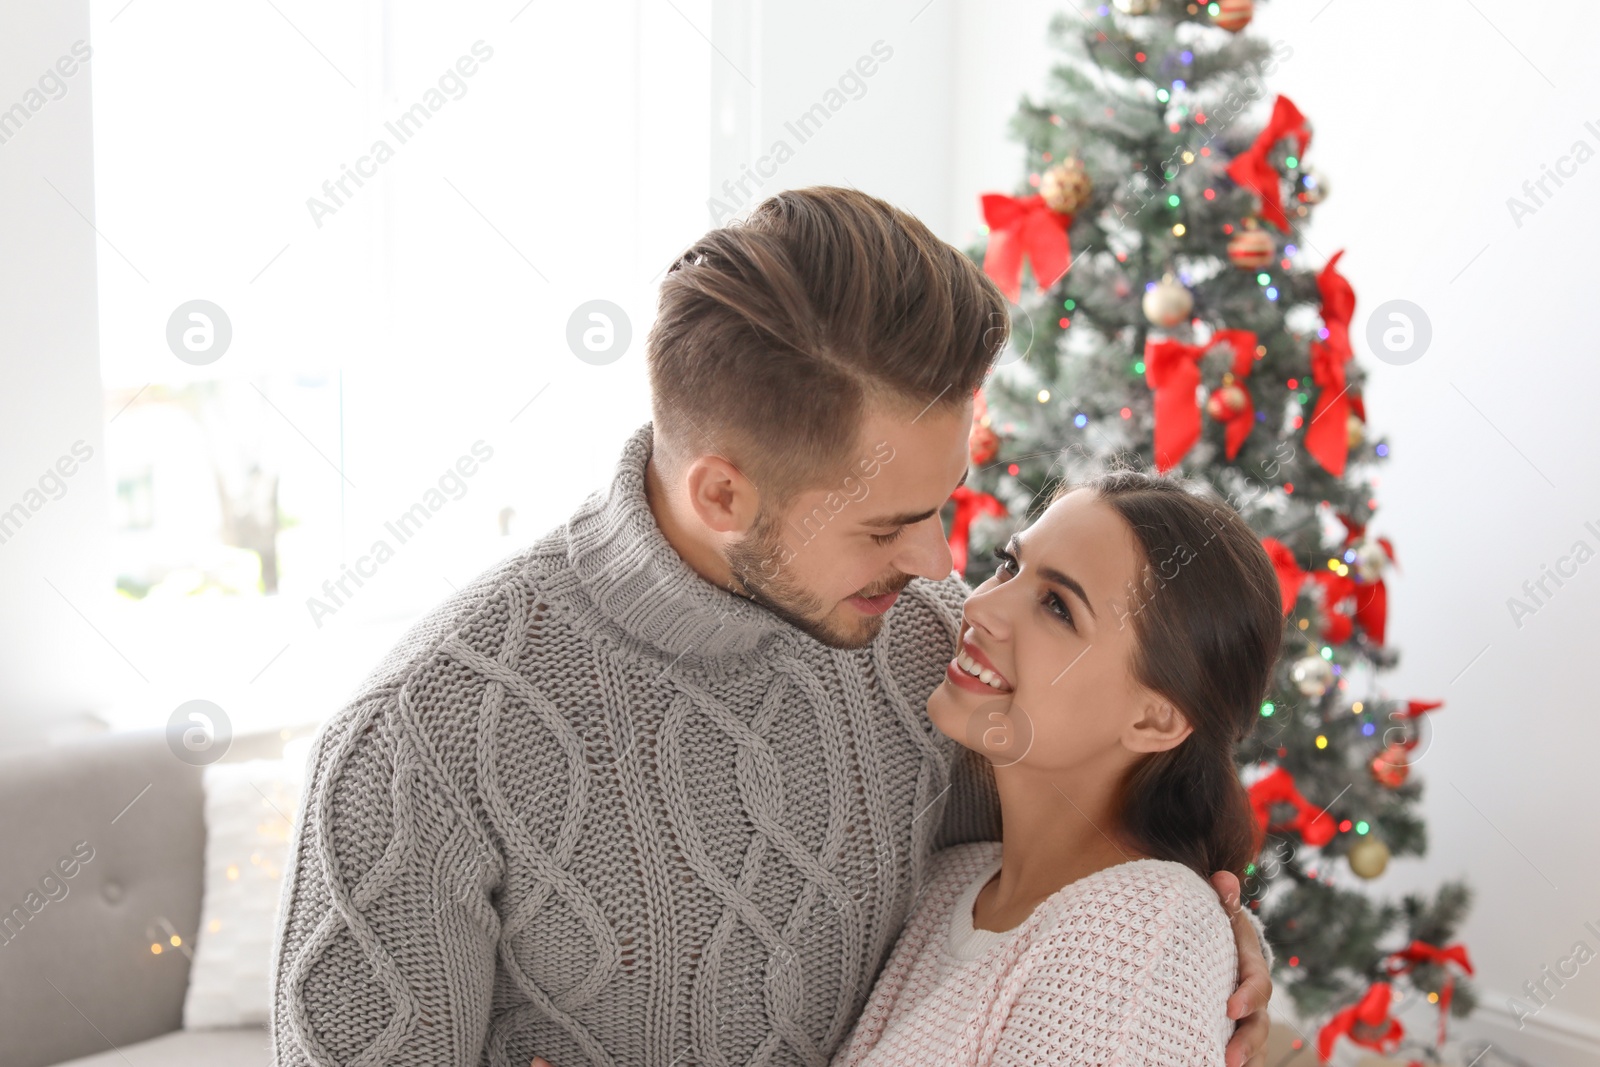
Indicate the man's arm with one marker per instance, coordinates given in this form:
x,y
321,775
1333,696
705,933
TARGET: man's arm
x,y
972,806
386,936
1248,1004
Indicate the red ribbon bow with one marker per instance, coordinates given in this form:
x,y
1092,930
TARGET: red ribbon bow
x,y
1314,825
1365,1022
1021,226
1328,432
1251,169
1290,576
1404,961
970,504
1172,370
1421,952
1415,709
1371,598
1370,609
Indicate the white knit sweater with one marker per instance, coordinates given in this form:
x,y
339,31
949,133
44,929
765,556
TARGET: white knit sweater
x,y
596,809
1132,965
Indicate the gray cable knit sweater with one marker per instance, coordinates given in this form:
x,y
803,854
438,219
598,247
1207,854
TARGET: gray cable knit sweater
x,y
596,809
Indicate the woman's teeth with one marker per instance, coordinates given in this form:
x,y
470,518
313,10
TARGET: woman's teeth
x,y
983,674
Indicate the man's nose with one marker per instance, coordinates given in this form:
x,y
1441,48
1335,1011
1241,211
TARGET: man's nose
x,y
926,553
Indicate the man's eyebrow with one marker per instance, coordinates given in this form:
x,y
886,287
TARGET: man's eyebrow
x,y
910,519
1055,577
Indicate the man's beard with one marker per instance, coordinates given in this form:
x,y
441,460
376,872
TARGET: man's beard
x,y
751,558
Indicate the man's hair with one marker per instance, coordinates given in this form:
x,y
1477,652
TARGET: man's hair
x,y
773,336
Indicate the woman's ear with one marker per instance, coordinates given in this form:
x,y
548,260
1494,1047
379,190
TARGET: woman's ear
x,y
1161,725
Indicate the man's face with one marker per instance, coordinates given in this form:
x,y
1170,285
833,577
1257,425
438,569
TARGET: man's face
x,y
836,556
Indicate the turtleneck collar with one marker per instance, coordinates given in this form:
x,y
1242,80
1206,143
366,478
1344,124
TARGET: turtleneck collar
x,y
635,578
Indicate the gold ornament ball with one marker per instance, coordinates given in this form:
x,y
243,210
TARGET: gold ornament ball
x,y
1167,303
1234,15
1251,248
1371,560
1066,187
1368,857
1311,675
1357,431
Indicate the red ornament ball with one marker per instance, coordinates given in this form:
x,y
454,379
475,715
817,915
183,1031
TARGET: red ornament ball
x,y
1235,15
1251,249
982,444
1226,402
1392,766
982,441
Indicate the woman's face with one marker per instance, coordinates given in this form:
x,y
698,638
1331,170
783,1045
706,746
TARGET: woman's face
x,y
1052,636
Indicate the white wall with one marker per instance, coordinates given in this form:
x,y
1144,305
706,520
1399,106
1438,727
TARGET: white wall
x,y
52,567
891,136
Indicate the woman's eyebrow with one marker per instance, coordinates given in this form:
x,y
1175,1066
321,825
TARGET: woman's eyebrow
x,y
1055,577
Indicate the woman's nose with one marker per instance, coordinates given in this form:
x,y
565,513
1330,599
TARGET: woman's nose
x,y
989,610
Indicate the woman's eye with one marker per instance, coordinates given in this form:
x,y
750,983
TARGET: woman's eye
x,y
1056,606
1052,601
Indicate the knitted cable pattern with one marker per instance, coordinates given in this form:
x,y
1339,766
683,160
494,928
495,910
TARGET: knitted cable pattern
x,y
595,809
1130,965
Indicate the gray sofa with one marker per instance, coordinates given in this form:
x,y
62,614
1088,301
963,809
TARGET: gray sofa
x,y
101,854
79,984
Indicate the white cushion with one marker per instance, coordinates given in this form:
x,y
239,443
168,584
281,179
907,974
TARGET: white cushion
x,y
249,809
209,1048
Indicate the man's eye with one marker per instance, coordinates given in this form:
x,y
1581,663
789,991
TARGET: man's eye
x,y
887,539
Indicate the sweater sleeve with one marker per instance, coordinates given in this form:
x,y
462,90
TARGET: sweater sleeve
x,y
1146,984
385,947
972,811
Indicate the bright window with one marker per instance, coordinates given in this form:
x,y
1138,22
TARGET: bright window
x,y
390,211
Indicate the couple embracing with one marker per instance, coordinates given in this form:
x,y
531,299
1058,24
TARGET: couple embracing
x,y
708,774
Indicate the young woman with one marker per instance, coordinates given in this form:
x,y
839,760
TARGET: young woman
x,y
1106,670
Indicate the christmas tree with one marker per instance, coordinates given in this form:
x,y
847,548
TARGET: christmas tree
x,y
1179,314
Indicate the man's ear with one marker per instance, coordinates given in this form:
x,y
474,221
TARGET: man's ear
x,y
1160,725
722,497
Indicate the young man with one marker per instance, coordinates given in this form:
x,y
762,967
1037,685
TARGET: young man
x,y
660,789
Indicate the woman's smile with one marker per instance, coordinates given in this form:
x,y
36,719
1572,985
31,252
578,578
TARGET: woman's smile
x,y
972,670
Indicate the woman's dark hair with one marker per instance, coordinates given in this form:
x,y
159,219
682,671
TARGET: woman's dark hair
x,y
1207,620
